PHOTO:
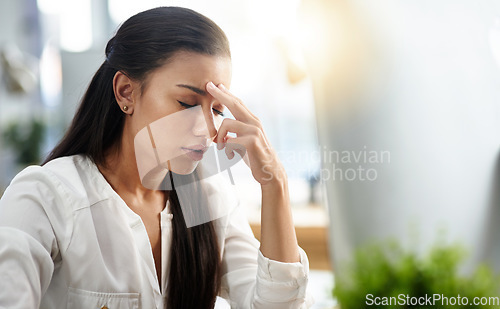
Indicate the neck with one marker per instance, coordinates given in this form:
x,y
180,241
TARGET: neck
x,y
120,169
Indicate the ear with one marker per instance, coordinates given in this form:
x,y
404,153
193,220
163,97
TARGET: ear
x,y
123,88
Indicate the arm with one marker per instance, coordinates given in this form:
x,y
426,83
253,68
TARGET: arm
x,y
27,244
277,277
278,239
252,281
25,269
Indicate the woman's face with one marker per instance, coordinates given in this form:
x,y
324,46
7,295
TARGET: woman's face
x,y
173,114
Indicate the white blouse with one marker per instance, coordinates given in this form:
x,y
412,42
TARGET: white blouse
x,y
67,240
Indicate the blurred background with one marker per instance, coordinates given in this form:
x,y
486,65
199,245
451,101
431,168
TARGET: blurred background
x,y
386,113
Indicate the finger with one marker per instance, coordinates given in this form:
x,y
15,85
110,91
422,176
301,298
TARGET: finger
x,y
236,144
246,159
241,149
235,106
227,100
225,90
231,125
229,152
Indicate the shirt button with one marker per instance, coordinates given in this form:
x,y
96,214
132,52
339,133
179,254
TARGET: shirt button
x,y
104,307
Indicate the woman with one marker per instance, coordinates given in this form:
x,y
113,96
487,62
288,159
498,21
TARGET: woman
x,y
87,229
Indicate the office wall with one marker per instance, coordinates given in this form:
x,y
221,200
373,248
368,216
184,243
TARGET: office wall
x,y
418,83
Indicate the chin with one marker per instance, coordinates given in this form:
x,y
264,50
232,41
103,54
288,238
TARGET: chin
x,y
183,168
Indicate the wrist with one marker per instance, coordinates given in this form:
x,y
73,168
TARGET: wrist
x,y
276,182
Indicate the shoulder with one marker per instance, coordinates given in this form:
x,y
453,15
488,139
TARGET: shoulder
x,y
61,179
41,200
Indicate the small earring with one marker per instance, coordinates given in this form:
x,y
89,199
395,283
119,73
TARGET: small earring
x,y
125,108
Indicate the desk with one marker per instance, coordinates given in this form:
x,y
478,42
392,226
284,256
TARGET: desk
x,y
313,240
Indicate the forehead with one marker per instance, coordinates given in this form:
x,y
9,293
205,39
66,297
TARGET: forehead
x,y
193,68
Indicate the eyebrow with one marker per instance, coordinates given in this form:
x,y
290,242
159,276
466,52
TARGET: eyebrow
x,y
192,88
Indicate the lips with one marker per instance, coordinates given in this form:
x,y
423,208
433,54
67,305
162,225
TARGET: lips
x,y
195,152
198,147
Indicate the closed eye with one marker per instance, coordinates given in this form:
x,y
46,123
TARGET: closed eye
x,y
185,105
218,112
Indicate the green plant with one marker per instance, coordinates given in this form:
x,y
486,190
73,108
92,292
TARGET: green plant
x,y
26,140
387,271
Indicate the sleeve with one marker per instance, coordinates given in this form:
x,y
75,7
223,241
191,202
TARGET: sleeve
x,y
28,244
250,280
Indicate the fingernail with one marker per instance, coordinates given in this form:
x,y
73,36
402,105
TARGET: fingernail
x,y
211,85
220,146
222,86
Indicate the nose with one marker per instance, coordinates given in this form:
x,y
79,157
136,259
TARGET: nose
x,y
204,124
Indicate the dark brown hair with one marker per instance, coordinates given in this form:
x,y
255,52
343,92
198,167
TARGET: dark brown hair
x,y
142,44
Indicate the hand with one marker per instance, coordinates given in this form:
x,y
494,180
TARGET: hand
x,y
250,141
